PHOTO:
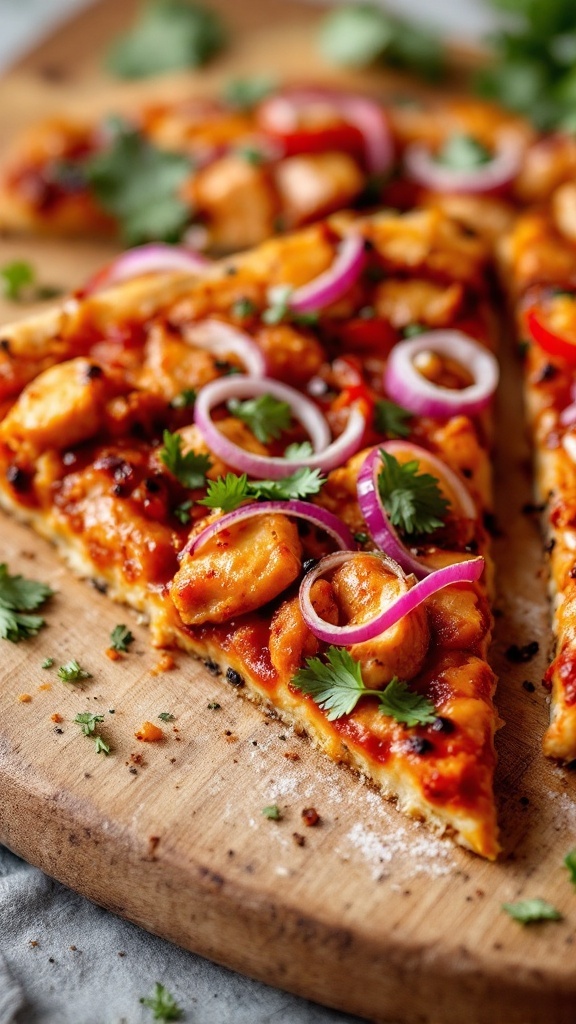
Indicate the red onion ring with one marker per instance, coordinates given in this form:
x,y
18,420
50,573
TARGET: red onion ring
x,y
326,454
428,172
459,572
420,396
320,517
146,259
224,339
363,113
333,283
375,516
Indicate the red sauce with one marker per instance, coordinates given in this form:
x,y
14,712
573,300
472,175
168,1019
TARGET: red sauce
x,y
564,667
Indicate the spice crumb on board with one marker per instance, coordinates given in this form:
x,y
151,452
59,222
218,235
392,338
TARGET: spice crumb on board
x,y
56,717
113,654
24,698
45,686
149,733
166,662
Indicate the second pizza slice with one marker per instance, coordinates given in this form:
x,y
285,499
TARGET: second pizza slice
x,y
284,461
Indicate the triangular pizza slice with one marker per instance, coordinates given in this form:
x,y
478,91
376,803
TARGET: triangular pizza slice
x,y
283,460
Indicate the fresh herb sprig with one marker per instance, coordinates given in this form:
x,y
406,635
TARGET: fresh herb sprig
x,y
533,69
170,34
266,416
362,34
531,911
19,597
336,685
121,638
162,1004
190,469
228,492
462,152
88,723
72,672
139,185
413,500
19,283
570,862
391,419
246,93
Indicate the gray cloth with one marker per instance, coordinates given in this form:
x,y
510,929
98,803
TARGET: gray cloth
x,y
44,980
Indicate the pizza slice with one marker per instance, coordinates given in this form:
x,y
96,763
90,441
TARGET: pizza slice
x,y
283,460
226,177
539,262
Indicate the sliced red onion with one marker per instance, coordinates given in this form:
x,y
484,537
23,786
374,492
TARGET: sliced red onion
x,y
363,113
501,170
146,259
319,517
261,467
333,283
460,572
225,339
568,415
422,397
375,516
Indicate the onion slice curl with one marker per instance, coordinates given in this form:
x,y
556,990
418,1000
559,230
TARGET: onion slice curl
x,y
422,397
153,258
319,517
326,455
430,173
467,571
375,516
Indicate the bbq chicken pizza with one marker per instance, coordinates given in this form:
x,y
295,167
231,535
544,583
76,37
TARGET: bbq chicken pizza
x,y
283,460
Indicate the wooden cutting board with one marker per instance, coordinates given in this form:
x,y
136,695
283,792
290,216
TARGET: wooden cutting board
x,y
367,911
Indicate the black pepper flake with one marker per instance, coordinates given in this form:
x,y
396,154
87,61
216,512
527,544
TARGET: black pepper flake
x,y
528,685
491,525
529,508
467,473
133,771
152,485
419,745
526,652
440,724
99,585
524,801
93,371
4,344
18,478
234,677
213,668
548,372
549,547
298,839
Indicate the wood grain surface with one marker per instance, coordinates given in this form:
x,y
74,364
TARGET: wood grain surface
x,y
370,913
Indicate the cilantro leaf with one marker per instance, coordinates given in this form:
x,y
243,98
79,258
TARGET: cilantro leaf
x,y
413,500
570,862
230,491
138,184
189,469
184,400
101,746
47,663
391,419
360,34
243,308
166,716
88,722
266,416
246,93
171,34
71,672
17,276
529,911
226,492
462,152
412,330
17,597
121,638
337,685
402,704
303,483
162,1004
19,593
298,451
272,812
182,512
